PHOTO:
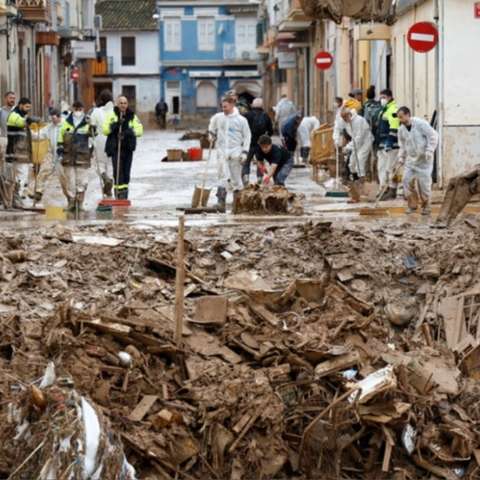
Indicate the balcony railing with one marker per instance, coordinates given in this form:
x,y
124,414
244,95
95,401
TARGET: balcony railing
x,y
239,53
103,67
36,11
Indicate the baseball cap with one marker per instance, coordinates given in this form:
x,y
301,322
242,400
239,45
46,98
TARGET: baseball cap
x,y
357,91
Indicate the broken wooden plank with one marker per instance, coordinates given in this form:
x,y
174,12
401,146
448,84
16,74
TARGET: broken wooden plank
x,y
108,327
142,408
211,310
264,314
336,364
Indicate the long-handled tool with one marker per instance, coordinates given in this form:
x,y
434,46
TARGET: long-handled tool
x,y
383,210
117,202
339,189
102,208
201,195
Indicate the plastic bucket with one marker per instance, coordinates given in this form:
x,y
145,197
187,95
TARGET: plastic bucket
x,y
195,153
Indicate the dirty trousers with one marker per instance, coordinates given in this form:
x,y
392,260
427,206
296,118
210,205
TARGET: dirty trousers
x,y
18,173
103,162
417,184
283,172
47,169
123,176
76,180
246,168
232,167
385,166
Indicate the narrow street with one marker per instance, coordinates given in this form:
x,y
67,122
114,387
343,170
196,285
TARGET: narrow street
x,y
159,190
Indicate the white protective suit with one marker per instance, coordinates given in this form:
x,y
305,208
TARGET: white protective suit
x,y
416,150
50,165
283,110
233,137
360,146
337,132
305,130
98,117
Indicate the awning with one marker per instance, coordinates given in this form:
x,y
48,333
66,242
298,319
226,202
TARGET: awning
x,y
242,73
205,73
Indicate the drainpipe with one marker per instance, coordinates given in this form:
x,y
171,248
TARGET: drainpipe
x,y
439,69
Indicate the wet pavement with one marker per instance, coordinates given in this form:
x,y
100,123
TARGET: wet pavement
x,y
159,190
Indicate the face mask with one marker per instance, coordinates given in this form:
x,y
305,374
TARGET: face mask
x,y
78,114
383,102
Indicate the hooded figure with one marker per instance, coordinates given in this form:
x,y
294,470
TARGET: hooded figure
x,y
283,110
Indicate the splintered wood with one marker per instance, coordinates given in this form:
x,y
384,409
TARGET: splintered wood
x,y
257,200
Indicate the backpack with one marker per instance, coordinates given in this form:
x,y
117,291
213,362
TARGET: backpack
x,y
372,115
259,125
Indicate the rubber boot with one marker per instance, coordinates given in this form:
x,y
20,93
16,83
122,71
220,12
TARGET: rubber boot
x,y
391,194
71,205
16,197
245,180
107,184
123,194
222,199
79,198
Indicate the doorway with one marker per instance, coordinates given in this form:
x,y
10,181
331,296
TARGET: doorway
x,y
172,96
99,88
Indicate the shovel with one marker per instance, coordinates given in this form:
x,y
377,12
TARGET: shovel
x,y
201,195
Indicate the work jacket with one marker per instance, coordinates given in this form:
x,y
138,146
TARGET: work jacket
x,y
130,128
19,147
305,130
77,149
388,125
290,126
233,134
418,144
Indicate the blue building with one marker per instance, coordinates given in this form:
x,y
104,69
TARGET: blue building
x,y
206,49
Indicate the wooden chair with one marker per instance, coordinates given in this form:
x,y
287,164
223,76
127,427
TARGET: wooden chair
x,y
323,150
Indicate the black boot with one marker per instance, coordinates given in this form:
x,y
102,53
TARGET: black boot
x,y
391,194
222,199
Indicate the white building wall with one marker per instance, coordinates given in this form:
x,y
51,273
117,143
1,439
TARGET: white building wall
x,y
414,74
146,51
147,89
460,44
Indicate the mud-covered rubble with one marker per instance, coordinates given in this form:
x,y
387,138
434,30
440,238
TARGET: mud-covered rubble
x,y
310,351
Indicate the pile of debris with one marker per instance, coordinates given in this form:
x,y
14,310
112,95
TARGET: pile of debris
x,y
315,350
261,200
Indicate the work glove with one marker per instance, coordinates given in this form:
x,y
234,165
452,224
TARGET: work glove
x,y
31,120
346,150
129,133
114,127
121,135
243,157
60,150
266,179
388,145
263,170
211,137
429,156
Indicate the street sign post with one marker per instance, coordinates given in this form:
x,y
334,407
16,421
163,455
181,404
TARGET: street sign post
x,y
422,37
323,60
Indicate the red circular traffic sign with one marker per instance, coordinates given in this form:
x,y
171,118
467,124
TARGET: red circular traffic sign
x,y
323,60
422,37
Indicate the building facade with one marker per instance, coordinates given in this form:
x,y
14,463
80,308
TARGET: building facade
x,y
127,62
437,86
206,49
37,50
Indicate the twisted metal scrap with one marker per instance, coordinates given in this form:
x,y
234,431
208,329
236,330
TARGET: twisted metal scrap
x,y
373,10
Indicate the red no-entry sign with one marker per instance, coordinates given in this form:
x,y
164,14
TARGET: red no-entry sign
x,y
477,9
422,37
323,60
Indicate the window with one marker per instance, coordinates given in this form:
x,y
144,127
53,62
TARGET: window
x,y
207,94
128,50
103,47
206,34
172,34
246,33
130,92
